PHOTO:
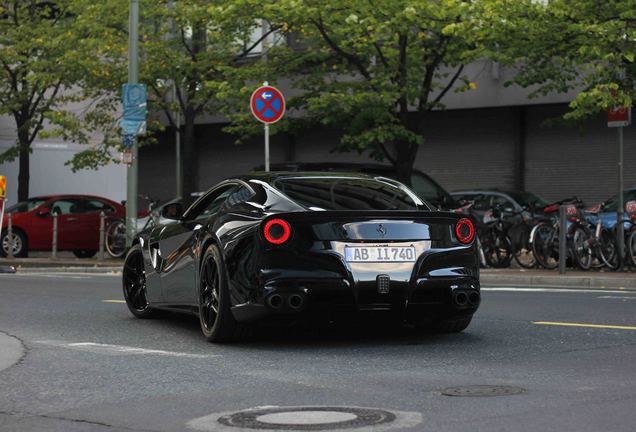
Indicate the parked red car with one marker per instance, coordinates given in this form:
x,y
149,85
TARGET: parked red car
x,y
78,224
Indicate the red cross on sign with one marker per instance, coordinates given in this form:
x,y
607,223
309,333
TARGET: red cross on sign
x,y
267,104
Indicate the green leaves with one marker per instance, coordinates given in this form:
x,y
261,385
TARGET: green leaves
x,y
565,45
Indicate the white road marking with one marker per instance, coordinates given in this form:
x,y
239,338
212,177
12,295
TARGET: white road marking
x,y
557,290
617,297
99,348
63,275
52,275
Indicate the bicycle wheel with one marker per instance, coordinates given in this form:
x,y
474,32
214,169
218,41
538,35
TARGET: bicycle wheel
x,y
608,250
116,239
631,246
497,249
545,246
582,248
480,253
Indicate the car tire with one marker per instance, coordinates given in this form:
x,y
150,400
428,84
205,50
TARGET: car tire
x,y
20,245
134,284
215,317
455,325
84,253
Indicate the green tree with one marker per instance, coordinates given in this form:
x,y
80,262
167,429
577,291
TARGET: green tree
x,y
39,69
584,45
194,55
378,68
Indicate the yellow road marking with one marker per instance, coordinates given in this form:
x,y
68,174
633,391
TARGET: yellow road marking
x,y
113,301
603,326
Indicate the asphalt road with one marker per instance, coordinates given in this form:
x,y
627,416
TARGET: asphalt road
x,y
90,366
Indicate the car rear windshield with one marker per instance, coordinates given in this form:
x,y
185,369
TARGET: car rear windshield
x,y
336,193
26,206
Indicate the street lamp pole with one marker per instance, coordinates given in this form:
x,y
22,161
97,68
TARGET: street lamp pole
x,y
133,78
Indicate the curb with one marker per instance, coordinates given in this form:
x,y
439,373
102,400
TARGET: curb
x,y
87,270
11,351
559,281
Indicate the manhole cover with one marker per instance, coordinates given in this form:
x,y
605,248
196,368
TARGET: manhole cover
x,y
483,390
307,418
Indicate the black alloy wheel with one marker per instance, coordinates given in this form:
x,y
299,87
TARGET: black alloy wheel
x,y
216,319
209,301
134,284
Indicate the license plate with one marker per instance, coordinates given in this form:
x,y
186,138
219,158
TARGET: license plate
x,y
380,253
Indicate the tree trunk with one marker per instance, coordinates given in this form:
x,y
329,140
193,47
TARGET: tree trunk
x,y
190,163
405,157
24,161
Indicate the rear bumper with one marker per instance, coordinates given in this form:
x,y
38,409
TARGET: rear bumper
x,y
333,298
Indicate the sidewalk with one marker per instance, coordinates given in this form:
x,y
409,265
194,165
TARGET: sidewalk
x,y
552,278
64,264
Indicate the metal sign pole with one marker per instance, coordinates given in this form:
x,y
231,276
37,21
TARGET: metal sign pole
x,y
10,239
563,226
1,219
178,151
620,228
133,78
266,147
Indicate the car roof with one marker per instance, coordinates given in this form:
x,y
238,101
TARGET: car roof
x,y
270,176
69,196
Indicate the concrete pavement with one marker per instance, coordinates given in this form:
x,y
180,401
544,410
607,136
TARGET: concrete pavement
x,y
11,350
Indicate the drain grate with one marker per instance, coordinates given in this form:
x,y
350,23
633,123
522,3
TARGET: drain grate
x,y
483,391
307,418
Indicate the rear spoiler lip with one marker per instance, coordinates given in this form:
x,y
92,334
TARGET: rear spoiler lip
x,y
368,214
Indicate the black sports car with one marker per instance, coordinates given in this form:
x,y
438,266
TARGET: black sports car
x,y
284,246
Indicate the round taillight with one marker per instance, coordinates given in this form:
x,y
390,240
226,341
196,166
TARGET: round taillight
x,y
465,230
277,231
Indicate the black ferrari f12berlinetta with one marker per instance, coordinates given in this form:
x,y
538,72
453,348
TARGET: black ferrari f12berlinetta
x,y
293,246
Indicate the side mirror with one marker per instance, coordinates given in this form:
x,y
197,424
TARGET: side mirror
x,y
43,212
173,211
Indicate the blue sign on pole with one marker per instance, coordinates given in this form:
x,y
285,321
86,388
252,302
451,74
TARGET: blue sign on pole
x,y
129,140
134,100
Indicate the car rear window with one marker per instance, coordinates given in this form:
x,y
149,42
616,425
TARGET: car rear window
x,y
26,206
343,193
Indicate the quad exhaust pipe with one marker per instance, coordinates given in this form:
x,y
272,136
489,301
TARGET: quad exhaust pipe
x,y
278,302
463,298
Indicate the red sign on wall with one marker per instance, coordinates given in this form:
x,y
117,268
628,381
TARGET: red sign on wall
x,y
619,116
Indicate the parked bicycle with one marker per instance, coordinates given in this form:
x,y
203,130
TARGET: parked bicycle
x,y
592,245
630,233
545,235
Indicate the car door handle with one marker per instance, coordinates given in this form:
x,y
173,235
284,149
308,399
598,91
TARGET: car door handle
x,y
72,219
